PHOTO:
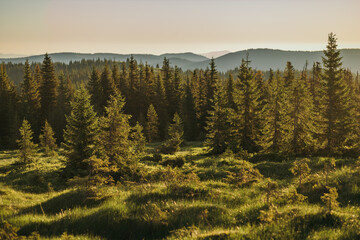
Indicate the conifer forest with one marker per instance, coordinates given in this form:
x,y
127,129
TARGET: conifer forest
x,y
105,149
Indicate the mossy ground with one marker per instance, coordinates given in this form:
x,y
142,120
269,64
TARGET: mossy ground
x,y
200,200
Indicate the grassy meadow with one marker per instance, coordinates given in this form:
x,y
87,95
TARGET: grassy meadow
x,y
190,195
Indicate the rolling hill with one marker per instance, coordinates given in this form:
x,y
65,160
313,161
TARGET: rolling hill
x,y
262,59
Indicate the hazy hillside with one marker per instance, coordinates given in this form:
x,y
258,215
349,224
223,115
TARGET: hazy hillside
x,y
66,57
262,59
265,59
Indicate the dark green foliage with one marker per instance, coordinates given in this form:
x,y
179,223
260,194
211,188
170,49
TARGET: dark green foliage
x,y
66,94
246,99
302,127
48,88
107,86
132,100
336,102
94,88
81,133
138,139
176,132
160,107
230,90
152,125
47,140
27,148
275,137
115,132
219,125
9,117
30,97
191,128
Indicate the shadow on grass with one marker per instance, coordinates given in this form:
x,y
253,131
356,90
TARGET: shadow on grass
x,y
68,200
118,224
31,181
174,193
275,170
107,223
304,225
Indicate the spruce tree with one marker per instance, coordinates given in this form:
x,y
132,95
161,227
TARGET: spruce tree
x,y
276,129
289,75
48,89
116,75
123,84
219,128
47,140
9,124
138,140
152,125
160,107
301,114
66,93
167,79
108,87
230,92
247,103
27,148
191,129
94,88
81,133
30,98
149,85
335,102
114,139
132,99
175,138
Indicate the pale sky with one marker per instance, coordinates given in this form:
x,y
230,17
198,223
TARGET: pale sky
x,y
159,26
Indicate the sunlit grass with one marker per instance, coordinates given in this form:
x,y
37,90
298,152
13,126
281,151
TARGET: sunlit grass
x,y
35,198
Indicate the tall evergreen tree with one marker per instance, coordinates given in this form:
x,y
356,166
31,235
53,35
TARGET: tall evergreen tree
x,y
152,124
191,129
335,105
108,87
30,98
94,88
160,107
48,89
66,94
133,90
300,107
115,132
276,129
230,89
246,100
27,148
81,133
8,111
175,138
219,128
47,140
116,75
289,75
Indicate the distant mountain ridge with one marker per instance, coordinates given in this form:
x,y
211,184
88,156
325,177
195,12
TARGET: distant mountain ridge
x,y
261,59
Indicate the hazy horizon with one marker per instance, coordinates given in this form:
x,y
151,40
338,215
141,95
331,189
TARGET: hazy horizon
x,y
159,26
